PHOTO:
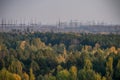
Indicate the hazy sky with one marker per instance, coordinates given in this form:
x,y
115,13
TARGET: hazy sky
x,y
50,11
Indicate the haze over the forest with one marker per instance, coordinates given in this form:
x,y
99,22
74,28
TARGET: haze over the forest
x,y
50,11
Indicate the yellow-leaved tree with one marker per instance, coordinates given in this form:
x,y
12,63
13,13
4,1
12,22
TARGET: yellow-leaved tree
x,y
25,76
32,76
17,77
73,73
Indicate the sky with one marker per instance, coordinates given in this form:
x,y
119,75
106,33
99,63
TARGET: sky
x,y
51,11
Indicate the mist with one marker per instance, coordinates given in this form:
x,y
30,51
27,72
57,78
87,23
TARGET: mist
x,y
50,11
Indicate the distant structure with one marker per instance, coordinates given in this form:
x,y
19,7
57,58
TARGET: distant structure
x,y
73,26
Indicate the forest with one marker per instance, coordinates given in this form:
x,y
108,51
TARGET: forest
x,y
59,56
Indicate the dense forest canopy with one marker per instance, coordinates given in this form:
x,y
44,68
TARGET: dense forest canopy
x,y
59,56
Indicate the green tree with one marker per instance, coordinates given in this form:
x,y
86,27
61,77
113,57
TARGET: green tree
x,y
87,72
87,64
117,71
63,75
40,77
59,68
15,67
49,77
34,66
